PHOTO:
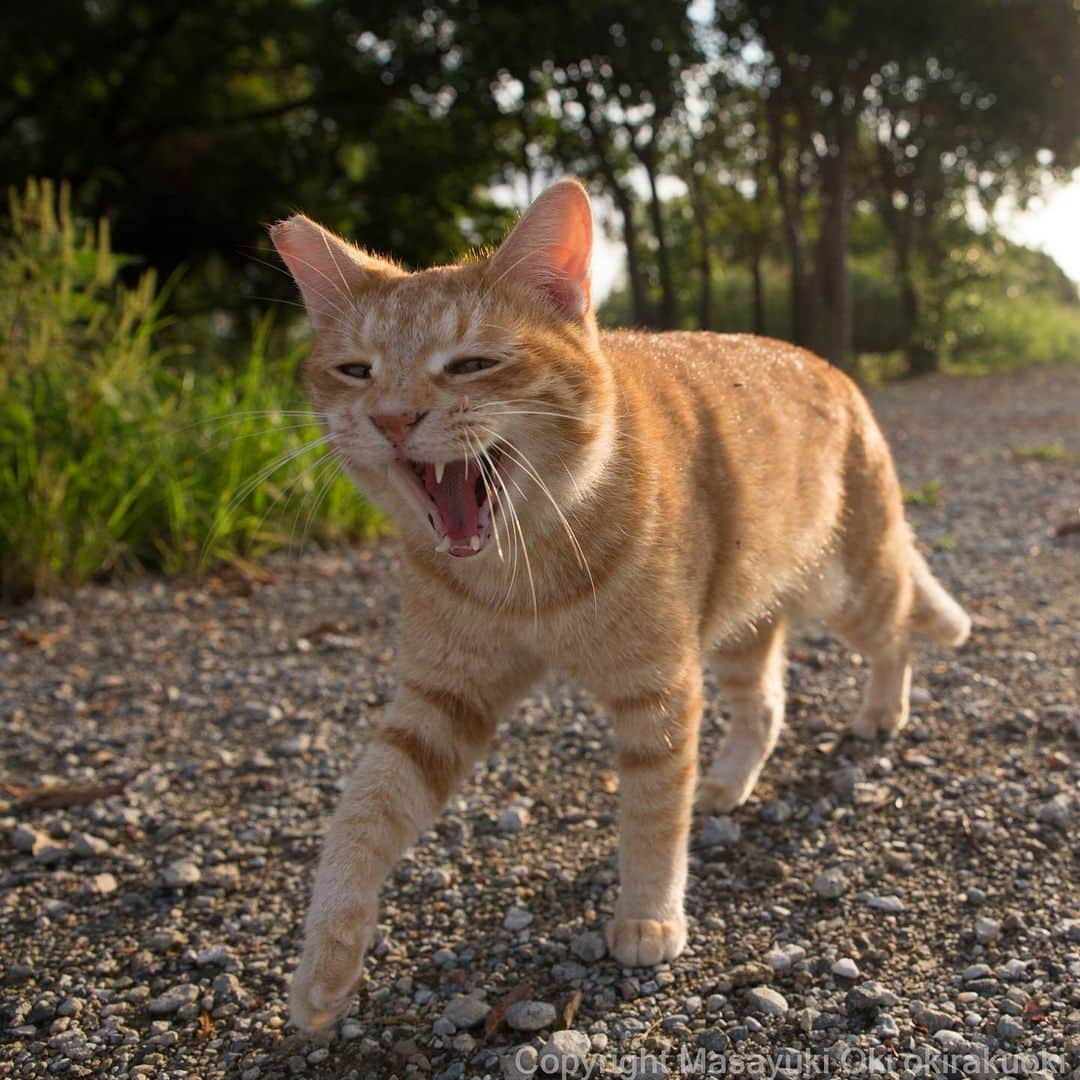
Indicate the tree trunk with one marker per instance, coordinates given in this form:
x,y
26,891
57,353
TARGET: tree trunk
x,y
669,316
803,316
758,288
701,220
832,247
639,305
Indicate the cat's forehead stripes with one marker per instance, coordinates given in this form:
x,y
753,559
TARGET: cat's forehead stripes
x,y
412,322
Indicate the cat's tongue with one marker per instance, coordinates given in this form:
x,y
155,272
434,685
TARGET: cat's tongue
x,y
459,508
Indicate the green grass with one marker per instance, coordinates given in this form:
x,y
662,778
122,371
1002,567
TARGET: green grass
x,y
930,494
1052,452
1001,333
117,455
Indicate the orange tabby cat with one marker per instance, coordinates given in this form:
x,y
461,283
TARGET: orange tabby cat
x,y
621,506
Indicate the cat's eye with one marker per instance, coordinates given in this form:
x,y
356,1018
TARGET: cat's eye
x,y
470,365
355,371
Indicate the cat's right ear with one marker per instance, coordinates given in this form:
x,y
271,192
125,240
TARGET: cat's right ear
x,y
330,271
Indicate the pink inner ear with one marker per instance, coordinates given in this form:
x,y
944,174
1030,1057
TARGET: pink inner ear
x,y
551,247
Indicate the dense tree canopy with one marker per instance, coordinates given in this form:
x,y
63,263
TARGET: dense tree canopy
x,y
794,133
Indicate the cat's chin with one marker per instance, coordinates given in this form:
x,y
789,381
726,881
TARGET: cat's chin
x,y
458,499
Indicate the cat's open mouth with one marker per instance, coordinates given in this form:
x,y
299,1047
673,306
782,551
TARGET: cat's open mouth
x,y
456,497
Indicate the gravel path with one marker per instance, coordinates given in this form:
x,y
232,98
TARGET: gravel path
x,y
915,901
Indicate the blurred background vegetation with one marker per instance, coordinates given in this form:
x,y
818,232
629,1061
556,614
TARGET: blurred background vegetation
x,y
820,170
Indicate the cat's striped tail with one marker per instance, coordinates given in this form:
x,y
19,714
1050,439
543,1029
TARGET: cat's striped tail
x,y
935,613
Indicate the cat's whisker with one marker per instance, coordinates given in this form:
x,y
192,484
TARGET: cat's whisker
x,y
524,550
327,485
287,492
251,414
520,457
494,492
245,490
250,435
509,509
492,497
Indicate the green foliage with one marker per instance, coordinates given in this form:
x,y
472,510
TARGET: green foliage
x,y
929,495
1051,452
109,457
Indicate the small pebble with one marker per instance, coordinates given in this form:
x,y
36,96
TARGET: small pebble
x,y
517,919
846,968
766,1000
830,884
589,946
530,1015
181,873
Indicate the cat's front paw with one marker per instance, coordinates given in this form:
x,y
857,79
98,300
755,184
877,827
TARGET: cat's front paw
x,y
326,979
646,942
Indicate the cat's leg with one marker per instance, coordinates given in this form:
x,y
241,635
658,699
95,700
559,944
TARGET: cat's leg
x,y
875,621
750,674
441,720
885,703
656,735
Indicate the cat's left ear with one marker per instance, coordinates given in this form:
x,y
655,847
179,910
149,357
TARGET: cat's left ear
x,y
330,271
550,249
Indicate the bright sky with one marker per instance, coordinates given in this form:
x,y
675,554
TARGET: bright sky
x,y
1051,224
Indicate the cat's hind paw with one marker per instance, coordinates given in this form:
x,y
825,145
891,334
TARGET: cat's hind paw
x,y
875,720
646,942
721,791
326,979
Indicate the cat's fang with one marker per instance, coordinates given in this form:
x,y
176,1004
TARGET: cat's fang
x,y
443,546
474,543
439,467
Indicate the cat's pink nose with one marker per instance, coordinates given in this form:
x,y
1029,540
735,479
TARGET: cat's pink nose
x,y
395,426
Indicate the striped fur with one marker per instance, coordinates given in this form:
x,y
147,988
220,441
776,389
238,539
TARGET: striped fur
x,y
679,498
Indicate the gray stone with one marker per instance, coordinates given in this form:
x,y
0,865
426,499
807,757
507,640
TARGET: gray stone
x,y
987,930
784,957
870,995
950,1040
28,839
846,968
215,954
50,853
830,884
766,1000
589,946
88,846
565,1052
1014,970
891,905
932,1019
520,1063
512,819
721,832
517,919
1009,1028
1069,929
181,873
530,1015
1056,812
295,745
173,999
102,884
466,1011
